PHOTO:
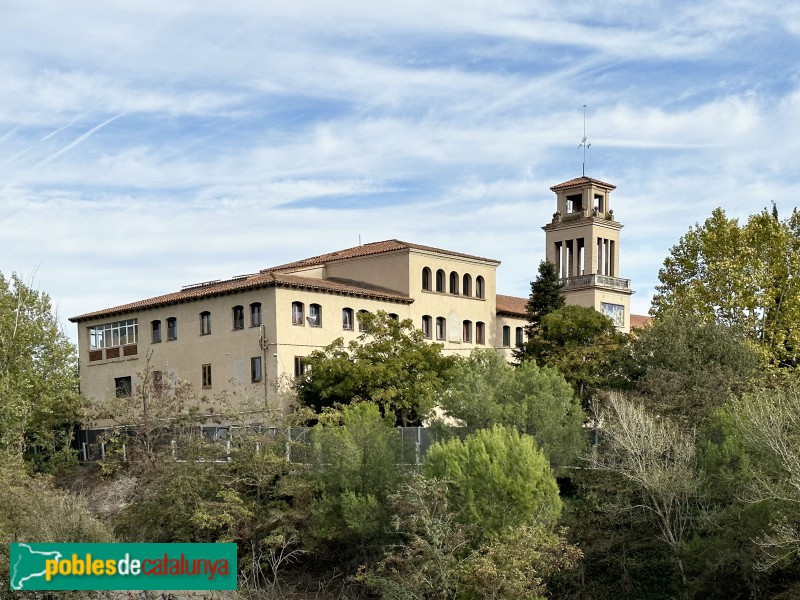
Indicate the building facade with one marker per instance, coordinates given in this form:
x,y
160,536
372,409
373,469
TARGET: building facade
x,y
249,333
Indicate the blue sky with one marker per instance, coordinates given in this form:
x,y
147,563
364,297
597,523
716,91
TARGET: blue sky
x,y
148,145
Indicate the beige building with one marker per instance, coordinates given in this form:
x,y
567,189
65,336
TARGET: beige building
x,y
247,333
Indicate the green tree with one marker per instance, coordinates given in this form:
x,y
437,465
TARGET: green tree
x,y
355,468
499,478
436,557
746,276
38,376
484,390
687,367
390,364
584,345
546,296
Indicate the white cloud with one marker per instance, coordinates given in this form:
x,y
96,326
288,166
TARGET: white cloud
x,y
149,145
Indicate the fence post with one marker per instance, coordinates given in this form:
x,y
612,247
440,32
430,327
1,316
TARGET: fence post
x,y
418,446
124,453
289,444
102,450
85,453
174,445
228,449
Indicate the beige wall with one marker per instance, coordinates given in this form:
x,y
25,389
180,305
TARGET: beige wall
x,y
387,270
228,351
594,297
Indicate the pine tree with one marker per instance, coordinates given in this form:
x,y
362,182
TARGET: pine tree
x,y
545,297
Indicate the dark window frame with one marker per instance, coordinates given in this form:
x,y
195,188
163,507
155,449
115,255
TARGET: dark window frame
x,y
238,317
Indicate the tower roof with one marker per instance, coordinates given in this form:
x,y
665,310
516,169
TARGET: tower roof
x,y
581,181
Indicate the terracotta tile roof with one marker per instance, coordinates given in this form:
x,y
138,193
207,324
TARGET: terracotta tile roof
x,y
511,305
238,284
581,180
368,250
640,321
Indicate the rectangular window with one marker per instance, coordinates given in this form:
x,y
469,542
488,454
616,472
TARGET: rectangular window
x,y
156,329
172,329
441,328
480,333
506,335
123,388
206,376
315,315
110,335
300,366
238,317
297,313
467,333
255,369
255,314
519,340
426,326
347,319
205,323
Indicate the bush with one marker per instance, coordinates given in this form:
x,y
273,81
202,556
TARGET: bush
x,y
498,478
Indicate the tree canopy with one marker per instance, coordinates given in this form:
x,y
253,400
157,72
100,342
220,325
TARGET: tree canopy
x,y
546,297
484,390
583,344
499,478
390,364
38,373
746,276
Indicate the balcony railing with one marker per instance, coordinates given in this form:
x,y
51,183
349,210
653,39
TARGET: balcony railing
x,y
96,354
581,281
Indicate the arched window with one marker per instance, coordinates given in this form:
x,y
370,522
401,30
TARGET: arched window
x,y
440,280
454,283
172,329
394,316
155,327
480,333
506,335
205,323
255,314
362,326
347,319
467,331
315,315
426,279
519,340
467,287
479,287
427,326
298,311
238,317
441,328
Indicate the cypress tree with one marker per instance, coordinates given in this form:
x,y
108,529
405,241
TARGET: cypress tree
x,y
546,297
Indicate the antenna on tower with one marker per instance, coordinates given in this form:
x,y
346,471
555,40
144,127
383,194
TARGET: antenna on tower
x,y
584,144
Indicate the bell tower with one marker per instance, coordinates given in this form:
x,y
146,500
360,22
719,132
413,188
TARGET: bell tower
x,y
583,242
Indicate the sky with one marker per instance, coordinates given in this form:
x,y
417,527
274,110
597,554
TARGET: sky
x,y
149,145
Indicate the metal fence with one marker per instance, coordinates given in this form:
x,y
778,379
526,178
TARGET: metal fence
x,y
219,442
